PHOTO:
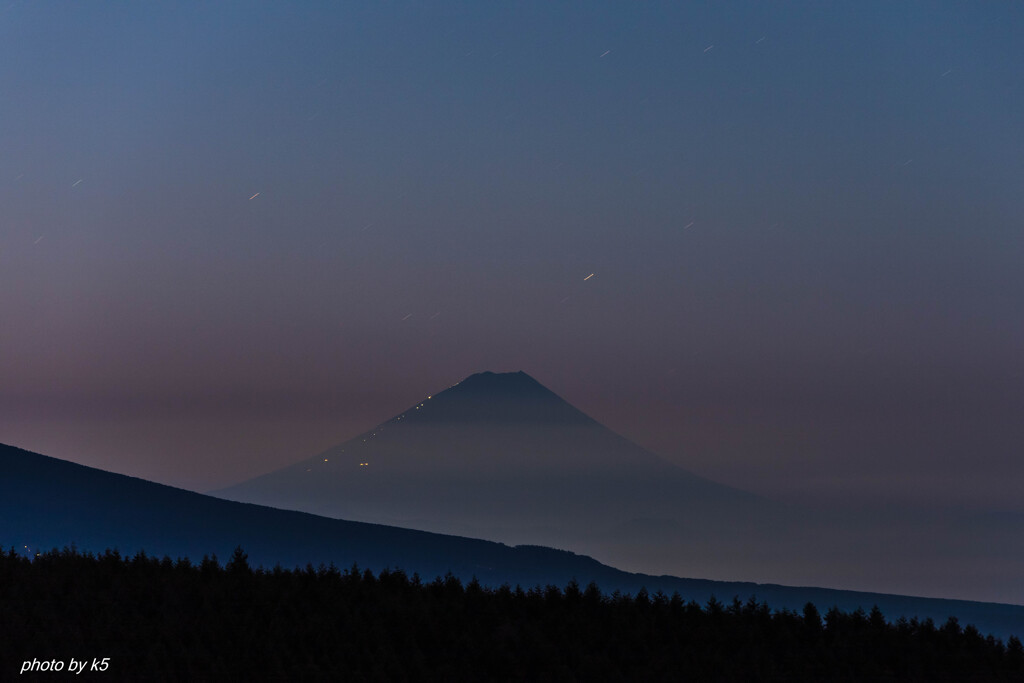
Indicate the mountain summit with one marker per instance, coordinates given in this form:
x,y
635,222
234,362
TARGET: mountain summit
x,y
496,397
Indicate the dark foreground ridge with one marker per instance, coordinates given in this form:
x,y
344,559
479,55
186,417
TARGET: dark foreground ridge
x,y
158,619
48,503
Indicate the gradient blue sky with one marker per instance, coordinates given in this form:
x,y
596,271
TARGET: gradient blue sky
x,y
235,233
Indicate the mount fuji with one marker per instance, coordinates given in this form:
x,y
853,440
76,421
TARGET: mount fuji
x,y
501,457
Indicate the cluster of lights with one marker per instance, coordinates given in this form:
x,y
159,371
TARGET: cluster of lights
x,y
400,417
373,434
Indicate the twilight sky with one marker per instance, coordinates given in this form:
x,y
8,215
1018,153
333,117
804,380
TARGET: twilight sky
x,y
233,234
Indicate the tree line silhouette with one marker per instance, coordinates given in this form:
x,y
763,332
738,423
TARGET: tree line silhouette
x,y
163,619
